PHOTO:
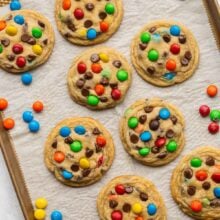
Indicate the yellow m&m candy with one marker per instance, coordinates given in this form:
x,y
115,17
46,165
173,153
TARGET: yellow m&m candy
x,y
39,214
11,30
37,49
41,203
84,163
82,32
104,57
137,208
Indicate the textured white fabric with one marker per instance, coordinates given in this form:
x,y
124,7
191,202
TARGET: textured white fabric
x,y
49,85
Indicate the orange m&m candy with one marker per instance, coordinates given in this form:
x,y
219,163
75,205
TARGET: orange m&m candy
x,y
96,68
196,206
8,123
3,104
38,106
59,156
66,4
2,25
100,140
171,64
99,89
212,90
104,26
201,175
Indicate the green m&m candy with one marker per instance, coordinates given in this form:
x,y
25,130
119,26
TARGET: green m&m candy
x,y
145,37
144,151
1,48
36,32
92,100
153,55
171,146
215,115
122,75
196,162
132,122
76,146
109,8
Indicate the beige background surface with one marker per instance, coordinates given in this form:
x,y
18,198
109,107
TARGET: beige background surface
x,y
49,85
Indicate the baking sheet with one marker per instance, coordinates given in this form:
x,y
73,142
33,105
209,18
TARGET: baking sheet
x,y
49,85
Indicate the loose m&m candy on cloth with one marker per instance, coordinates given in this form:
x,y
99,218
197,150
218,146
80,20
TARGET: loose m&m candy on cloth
x,y
3,104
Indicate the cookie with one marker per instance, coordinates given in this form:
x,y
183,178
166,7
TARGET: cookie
x,y
152,131
130,198
79,151
99,78
88,22
165,53
195,183
26,41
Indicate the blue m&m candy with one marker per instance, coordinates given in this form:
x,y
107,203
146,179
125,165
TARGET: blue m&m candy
x,y
175,30
164,113
91,34
19,19
80,130
65,131
27,116
34,126
56,215
151,209
15,5
26,78
169,76
217,192
67,175
145,136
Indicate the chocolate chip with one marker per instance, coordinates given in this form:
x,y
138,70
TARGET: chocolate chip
x,y
45,42
113,204
210,161
74,168
188,173
25,37
80,83
215,203
129,189
88,75
71,26
89,152
68,140
170,133
96,131
86,172
155,150
54,144
154,124
126,207
117,63
143,196
173,118
142,46
104,81
89,6
188,55
166,38
11,57
191,190
142,119
134,138
98,149
31,57
85,92
103,99
151,70
41,24
102,15
184,61
165,54
67,35
206,185
5,42
88,23
148,109
152,29
182,39
162,155
94,58
114,85
31,41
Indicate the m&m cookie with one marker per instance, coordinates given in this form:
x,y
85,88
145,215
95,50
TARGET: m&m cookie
x,y
165,53
26,40
88,22
79,151
130,198
152,131
195,183
99,78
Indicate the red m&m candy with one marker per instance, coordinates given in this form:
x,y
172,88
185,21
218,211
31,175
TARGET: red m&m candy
x,y
101,141
216,177
175,48
160,142
104,26
81,67
17,48
120,189
196,206
204,110
21,61
213,127
201,175
116,94
117,215
78,13
171,64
